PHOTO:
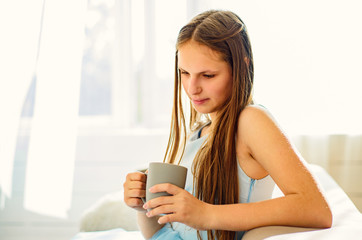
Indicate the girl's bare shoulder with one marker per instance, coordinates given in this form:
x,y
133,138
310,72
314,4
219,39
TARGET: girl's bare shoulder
x,y
254,114
256,121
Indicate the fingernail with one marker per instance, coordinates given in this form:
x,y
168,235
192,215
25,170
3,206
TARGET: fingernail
x,y
145,206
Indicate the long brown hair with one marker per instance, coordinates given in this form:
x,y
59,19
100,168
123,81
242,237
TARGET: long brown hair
x,y
215,164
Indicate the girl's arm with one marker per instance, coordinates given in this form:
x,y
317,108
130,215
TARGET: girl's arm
x,y
303,204
148,226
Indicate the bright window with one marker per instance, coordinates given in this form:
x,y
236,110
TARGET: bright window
x,y
306,66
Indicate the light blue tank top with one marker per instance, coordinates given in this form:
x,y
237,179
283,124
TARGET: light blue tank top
x,y
250,190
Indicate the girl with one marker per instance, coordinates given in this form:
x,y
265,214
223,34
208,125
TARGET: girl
x,y
235,153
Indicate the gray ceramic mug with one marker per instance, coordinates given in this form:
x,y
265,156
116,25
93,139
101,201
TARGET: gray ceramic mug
x,y
159,172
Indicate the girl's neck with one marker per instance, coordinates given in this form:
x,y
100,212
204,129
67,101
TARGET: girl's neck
x,y
206,129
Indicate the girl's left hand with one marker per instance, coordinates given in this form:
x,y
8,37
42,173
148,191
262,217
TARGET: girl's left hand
x,y
181,207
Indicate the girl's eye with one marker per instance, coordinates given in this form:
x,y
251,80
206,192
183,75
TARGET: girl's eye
x,y
209,75
183,72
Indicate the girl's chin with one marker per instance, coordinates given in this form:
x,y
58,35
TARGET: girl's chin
x,y
202,110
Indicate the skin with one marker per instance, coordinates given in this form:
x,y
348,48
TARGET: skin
x,y
205,77
262,149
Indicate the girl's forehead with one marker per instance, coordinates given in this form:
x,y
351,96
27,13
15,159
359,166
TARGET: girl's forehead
x,y
197,47
193,52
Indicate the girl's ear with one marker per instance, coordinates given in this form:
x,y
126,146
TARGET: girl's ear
x,y
247,61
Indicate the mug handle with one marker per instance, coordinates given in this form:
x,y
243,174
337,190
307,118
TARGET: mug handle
x,y
144,198
144,171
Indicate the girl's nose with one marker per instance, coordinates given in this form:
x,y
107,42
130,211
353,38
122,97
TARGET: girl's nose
x,y
194,86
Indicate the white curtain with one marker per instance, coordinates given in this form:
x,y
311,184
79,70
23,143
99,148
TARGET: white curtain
x,y
56,28
20,25
49,172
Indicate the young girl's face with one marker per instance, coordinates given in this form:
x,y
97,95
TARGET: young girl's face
x,y
205,76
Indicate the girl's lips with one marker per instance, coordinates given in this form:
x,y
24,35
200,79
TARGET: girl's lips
x,y
199,102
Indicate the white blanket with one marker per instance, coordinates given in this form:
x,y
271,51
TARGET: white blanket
x,y
114,234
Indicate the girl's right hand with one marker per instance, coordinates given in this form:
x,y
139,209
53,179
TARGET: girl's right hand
x,y
135,189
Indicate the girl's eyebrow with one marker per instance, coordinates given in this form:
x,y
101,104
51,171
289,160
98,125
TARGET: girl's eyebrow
x,y
202,72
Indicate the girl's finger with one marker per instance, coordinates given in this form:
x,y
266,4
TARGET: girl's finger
x,y
163,209
168,218
136,185
134,202
165,187
156,202
136,193
136,176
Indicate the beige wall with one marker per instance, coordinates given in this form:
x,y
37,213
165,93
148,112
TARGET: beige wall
x,y
341,156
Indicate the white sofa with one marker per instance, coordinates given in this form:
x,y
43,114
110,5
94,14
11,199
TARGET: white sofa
x,y
110,218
